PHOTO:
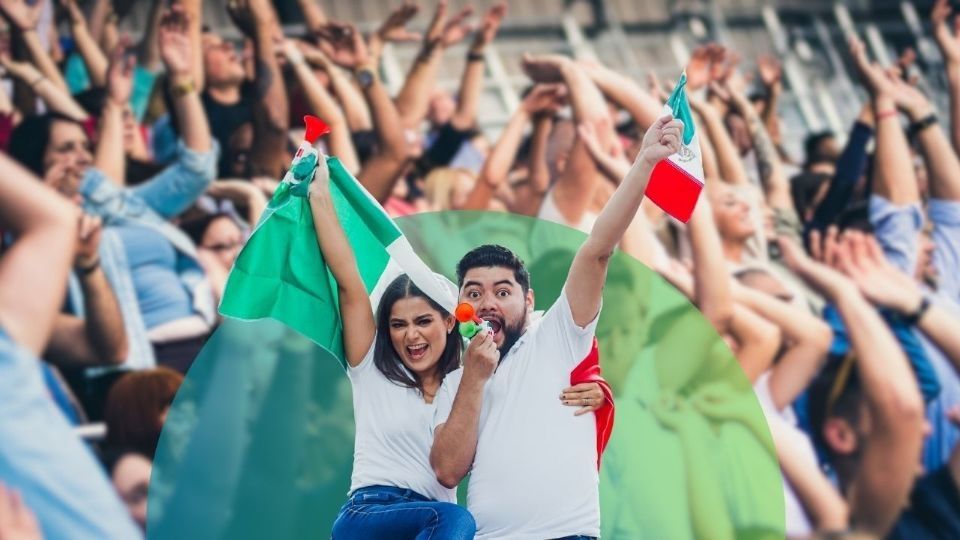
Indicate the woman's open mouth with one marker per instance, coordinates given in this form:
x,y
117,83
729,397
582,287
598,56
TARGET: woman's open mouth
x,y
417,352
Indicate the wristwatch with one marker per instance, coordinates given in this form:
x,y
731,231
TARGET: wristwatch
x,y
182,87
365,76
913,318
89,268
922,124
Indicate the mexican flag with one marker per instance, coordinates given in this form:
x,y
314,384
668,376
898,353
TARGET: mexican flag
x,y
280,274
676,182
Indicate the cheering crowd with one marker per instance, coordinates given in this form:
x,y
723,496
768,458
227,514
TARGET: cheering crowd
x,y
132,173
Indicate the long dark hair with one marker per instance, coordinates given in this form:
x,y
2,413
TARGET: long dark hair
x,y
29,140
386,358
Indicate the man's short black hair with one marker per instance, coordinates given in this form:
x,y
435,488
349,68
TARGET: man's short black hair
x,y
811,147
494,255
834,393
804,188
856,216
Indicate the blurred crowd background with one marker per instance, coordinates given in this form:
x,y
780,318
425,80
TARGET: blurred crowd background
x,y
141,142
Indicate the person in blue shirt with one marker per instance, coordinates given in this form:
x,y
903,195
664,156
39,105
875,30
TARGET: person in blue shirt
x,y
898,221
40,458
152,266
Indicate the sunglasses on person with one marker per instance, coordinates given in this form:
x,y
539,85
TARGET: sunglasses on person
x,y
223,246
840,382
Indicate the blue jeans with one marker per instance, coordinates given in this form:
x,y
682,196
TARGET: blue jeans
x,y
391,513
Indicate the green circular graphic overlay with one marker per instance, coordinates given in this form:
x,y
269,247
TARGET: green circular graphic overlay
x,y
259,441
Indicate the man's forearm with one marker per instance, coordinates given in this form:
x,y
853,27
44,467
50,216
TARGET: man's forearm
x,y
711,291
194,12
728,158
351,100
104,321
379,173
270,90
41,59
386,119
471,86
584,285
953,76
943,166
627,94
324,106
575,188
58,100
585,98
109,154
313,15
93,57
893,176
771,118
413,101
539,169
191,116
495,169
98,18
888,382
769,165
455,443
527,199
149,53
271,113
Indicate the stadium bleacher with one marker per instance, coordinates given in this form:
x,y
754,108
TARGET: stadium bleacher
x,y
639,36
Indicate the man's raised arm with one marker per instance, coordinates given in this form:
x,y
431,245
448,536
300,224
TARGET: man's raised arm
x,y
588,272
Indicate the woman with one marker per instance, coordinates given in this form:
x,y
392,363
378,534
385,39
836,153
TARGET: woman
x,y
165,297
397,360
448,188
137,408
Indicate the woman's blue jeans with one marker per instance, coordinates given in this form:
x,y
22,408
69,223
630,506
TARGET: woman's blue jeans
x,y
391,513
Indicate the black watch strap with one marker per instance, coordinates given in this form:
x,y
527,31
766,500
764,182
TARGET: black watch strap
x,y
365,77
922,124
90,268
913,318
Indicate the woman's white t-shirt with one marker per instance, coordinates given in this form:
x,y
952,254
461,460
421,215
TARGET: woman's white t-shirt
x,y
393,436
551,212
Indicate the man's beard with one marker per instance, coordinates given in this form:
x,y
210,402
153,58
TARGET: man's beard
x,y
511,333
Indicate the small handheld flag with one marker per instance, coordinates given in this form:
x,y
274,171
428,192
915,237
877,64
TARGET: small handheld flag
x,y
676,182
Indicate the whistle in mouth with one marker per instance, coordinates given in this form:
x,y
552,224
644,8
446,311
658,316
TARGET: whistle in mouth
x,y
470,324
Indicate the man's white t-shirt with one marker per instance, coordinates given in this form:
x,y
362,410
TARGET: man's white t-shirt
x,y
534,474
394,434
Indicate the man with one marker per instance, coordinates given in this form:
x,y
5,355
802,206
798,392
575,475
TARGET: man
x,y
247,114
532,464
